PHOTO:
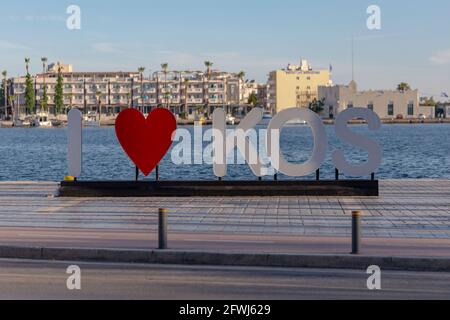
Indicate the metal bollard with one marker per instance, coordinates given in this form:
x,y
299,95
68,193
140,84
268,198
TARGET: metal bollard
x,y
162,229
356,232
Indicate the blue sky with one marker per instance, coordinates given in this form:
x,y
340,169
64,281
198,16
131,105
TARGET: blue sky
x,y
252,35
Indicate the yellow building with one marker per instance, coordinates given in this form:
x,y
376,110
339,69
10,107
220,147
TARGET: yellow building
x,y
295,86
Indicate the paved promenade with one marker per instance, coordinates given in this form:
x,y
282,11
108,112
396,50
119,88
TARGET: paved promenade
x,y
409,218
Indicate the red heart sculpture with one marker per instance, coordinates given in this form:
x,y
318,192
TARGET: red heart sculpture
x,y
146,141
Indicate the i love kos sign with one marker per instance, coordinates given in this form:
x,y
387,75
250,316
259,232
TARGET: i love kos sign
x,y
146,141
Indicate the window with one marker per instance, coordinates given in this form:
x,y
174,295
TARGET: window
x,y
391,108
350,105
370,105
410,108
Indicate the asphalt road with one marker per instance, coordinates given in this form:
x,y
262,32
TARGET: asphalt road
x,y
21,279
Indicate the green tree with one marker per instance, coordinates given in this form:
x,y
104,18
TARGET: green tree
x,y
59,91
253,100
403,87
317,106
30,100
428,102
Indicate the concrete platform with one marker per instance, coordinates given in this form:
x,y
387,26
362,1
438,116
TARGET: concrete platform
x,y
225,188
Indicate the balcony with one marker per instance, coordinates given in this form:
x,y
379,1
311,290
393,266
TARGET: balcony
x,y
119,101
195,90
169,90
215,90
198,101
215,100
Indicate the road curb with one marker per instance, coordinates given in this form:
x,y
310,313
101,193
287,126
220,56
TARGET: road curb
x,y
430,264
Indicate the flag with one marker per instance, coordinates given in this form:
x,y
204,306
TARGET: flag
x,y
444,95
331,68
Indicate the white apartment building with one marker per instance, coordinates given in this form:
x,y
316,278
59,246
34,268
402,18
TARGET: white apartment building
x,y
183,92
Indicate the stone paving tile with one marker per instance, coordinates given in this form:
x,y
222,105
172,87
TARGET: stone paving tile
x,y
405,208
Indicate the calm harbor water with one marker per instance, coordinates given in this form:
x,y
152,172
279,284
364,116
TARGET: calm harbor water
x,y
410,152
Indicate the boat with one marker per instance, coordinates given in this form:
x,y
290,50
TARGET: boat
x,y
231,120
91,120
297,122
18,123
42,121
57,123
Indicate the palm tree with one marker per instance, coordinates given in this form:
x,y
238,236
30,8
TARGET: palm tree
x,y
208,65
98,94
44,92
70,96
11,99
241,76
403,87
164,67
27,64
5,90
128,99
141,73
186,85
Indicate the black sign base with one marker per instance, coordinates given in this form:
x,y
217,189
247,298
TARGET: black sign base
x,y
340,188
